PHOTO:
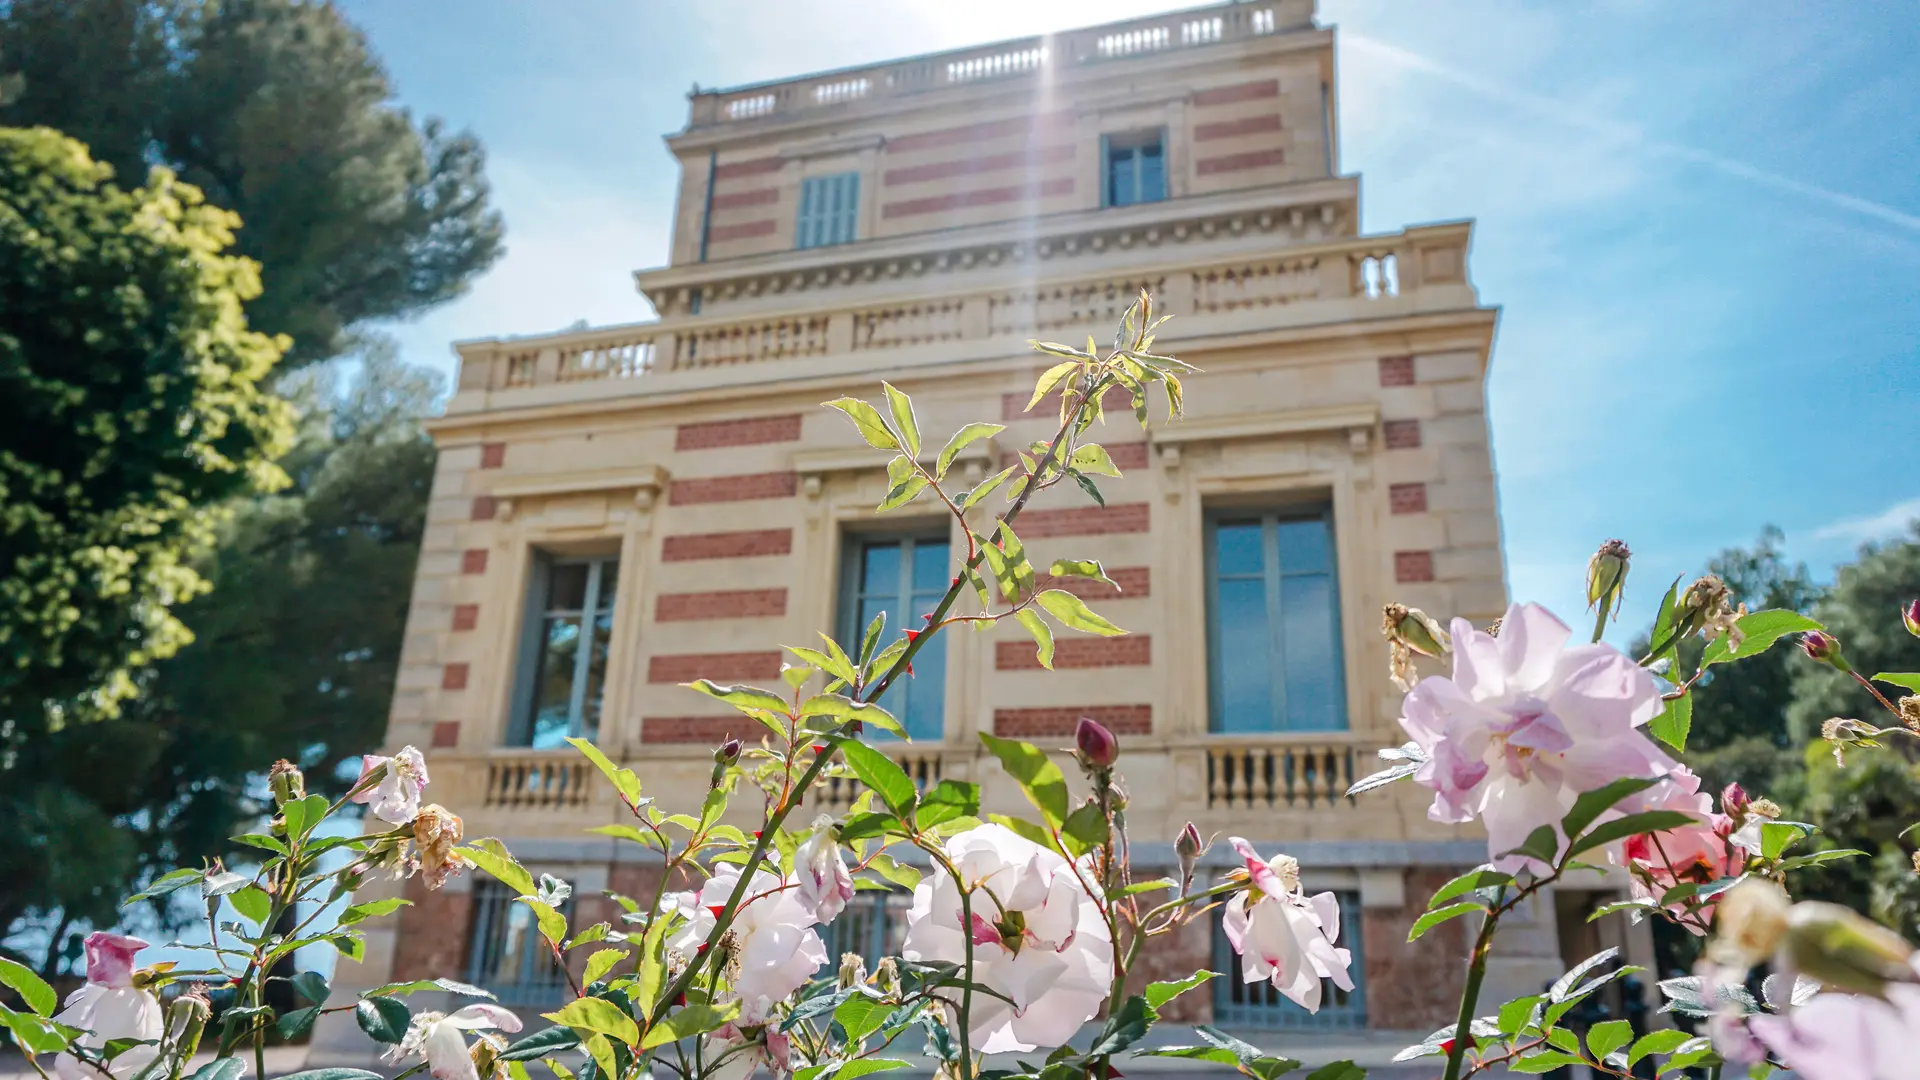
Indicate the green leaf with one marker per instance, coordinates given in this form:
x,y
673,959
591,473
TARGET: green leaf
x,y
1072,612
1042,635
1665,1041
252,903
902,493
37,1034
1159,993
605,1064
947,800
1338,1070
298,1022
1761,630
1606,1037
961,439
744,698
882,774
164,884
553,925
1084,829
383,1018
867,419
904,423
1674,723
597,1016
1483,877
870,641
1590,805
861,1016
1125,1027
1093,458
333,1074
1054,375
1777,836
541,1043
986,487
372,909
33,990
492,856
1544,1061
264,842
312,986
623,780
1907,680
863,1066
863,826
1543,845
301,815
895,871
398,989
1087,485
601,962
229,1068
689,1021
223,883
1434,918
1650,821
1818,857
1663,623
1516,1015
1036,774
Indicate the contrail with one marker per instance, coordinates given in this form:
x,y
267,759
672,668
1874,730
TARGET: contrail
x,y
1560,111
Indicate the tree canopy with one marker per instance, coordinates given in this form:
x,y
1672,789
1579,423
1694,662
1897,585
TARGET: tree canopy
x,y
279,111
131,406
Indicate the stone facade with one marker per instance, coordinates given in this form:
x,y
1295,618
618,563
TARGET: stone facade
x,y
1340,370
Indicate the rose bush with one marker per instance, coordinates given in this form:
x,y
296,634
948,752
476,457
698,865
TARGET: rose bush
x,y
1023,931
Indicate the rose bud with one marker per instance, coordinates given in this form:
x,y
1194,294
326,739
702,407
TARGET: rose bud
x,y
728,753
1097,746
285,781
1824,648
1734,801
1846,950
1188,847
1911,616
1607,574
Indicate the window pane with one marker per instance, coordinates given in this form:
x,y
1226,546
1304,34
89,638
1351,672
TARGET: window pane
x,y
930,572
1311,665
869,607
881,573
567,587
553,682
1243,656
609,582
1153,174
1305,547
596,673
1120,177
925,716
1237,548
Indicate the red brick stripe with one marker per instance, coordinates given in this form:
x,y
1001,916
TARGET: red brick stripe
x,y
1083,521
454,677
1134,582
1396,371
1227,129
493,455
940,170
446,733
721,667
754,167
1412,566
1061,185
725,604
726,545
748,431
696,729
484,507
1227,95
1401,434
713,489
756,197
986,129
1128,455
466,616
1044,723
1407,498
1134,650
1235,162
744,231
473,561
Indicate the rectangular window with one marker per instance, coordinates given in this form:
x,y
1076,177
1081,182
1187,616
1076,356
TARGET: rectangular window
x,y
829,210
506,954
1136,167
1273,624
903,577
563,657
1237,1003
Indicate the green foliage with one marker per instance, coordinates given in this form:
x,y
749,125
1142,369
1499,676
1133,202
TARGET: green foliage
x,y
1863,611
277,110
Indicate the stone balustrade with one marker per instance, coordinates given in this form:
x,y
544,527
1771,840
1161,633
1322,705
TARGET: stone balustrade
x,y
1029,58
1297,284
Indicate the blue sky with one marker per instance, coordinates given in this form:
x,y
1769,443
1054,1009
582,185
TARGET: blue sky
x,y
1701,221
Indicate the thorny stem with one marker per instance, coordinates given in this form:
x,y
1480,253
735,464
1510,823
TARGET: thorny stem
x,y
1470,994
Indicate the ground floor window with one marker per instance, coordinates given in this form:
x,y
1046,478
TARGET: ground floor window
x,y
506,954
1258,1005
874,925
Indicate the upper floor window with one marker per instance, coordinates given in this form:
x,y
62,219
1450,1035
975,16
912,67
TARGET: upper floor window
x,y
904,577
505,953
1241,1004
563,655
1136,167
1273,651
829,209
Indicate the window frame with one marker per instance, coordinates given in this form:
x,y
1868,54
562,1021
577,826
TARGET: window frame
x,y
533,625
1273,575
1133,141
542,980
817,227
848,624
1277,1013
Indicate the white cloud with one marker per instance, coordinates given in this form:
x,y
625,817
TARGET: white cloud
x,y
1890,522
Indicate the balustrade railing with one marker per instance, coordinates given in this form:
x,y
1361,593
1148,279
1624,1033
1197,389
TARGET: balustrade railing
x,y
538,782
910,324
1294,775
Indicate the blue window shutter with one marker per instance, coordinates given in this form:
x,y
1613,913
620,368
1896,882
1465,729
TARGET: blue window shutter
x,y
1274,657
829,210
